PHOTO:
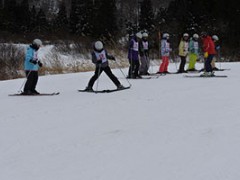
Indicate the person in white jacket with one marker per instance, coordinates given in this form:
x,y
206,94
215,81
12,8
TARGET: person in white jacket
x,y
165,53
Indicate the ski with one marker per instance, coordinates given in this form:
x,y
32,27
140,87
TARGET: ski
x,y
104,91
145,77
224,69
199,76
193,72
149,77
41,94
156,74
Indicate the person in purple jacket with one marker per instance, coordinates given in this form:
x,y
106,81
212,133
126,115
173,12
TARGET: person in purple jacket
x,y
133,57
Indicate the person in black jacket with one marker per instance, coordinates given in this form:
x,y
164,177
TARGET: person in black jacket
x,y
100,59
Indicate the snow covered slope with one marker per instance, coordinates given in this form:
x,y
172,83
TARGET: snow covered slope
x,y
170,128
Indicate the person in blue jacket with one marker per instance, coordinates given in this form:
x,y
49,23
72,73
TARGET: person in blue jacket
x,y
31,67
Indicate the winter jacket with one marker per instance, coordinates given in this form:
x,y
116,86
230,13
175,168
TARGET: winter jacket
x,y
165,47
101,58
133,50
208,45
183,48
194,47
31,55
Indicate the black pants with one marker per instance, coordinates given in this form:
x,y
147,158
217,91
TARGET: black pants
x,y
182,64
32,79
134,68
98,72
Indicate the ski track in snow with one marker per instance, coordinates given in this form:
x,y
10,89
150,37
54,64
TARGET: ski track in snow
x,y
170,128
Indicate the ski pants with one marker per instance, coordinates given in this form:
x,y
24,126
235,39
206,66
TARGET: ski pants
x,y
32,79
164,65
144,65
134,68
192,60
182,64
208,62
98,72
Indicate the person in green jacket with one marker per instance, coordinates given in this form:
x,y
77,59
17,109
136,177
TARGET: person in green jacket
x,y
183,52
193,52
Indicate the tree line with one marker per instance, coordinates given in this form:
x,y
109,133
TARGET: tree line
x,y
112,19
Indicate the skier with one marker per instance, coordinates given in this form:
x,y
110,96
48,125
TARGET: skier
x,y
194,52
133,58
217,47
209,52
100,59
31,67
165,52
144,55
183,52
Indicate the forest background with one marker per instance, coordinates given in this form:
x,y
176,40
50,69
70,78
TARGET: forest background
x,y
113,21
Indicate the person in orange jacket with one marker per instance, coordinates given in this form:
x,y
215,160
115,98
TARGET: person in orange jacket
x,y
209,52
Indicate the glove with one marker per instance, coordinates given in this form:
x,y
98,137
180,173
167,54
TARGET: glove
x,y
99,61
33,61
205,55
113,58
40,64
217,47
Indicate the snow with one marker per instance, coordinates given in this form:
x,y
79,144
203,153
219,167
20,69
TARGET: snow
x,y
170,128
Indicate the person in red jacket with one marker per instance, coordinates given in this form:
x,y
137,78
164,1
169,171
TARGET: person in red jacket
x,y
209,52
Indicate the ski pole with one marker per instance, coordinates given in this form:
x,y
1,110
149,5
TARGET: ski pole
x,y
24,82
118,66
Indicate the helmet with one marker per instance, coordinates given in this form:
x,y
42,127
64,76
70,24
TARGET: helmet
x,y
196,36
185,35
139,35
166,35
215,37
98,45
37,42
145,35
204,34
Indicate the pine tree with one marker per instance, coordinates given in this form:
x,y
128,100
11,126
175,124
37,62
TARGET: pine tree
x,y
146,20
33,19
75,16
10,16
41,24
23,14
87,18
105,21
61,21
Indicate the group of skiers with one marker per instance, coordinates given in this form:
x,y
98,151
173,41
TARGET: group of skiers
x,y
138,56
188,47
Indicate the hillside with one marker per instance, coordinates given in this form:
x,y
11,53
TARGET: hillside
x,y
170,128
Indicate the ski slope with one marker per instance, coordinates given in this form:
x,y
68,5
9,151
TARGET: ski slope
x,y
170,128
